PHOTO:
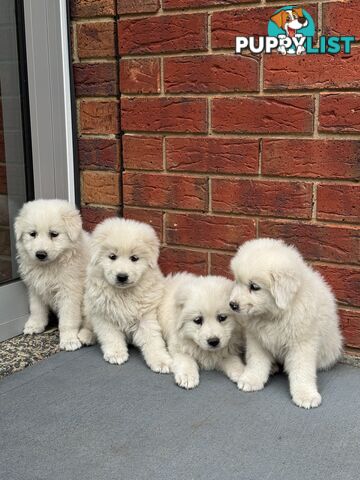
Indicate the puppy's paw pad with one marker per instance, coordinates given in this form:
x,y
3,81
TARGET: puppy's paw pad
x,y
116,358
307,399
32,327
86,337
186,380
250,384
70,344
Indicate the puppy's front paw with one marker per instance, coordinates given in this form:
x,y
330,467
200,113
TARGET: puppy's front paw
x,y
234,372
250,383
116,357
187,380
69,342
33,326
307,399
86,337
161,364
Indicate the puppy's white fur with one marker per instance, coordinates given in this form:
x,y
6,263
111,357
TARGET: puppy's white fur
x,y
58,281
188,297
121,312
291,319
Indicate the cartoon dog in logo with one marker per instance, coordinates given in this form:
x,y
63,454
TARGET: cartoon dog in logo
x,y
290,21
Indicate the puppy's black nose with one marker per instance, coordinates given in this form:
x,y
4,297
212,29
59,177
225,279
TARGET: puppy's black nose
x,y
302,20
234,306
122,277
213,342
41,254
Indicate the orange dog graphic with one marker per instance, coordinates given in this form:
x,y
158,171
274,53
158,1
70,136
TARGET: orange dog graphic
x,y
290,21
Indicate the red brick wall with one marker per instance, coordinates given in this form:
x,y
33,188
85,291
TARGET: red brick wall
x,y
219,148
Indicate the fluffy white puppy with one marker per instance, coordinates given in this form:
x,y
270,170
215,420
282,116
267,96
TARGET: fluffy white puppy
x,y
52,255
290,315
124,287
199,327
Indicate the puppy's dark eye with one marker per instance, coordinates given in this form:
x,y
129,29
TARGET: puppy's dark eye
x,y
254,287
134,258
33,234
112,256
198,320
54,234
221,318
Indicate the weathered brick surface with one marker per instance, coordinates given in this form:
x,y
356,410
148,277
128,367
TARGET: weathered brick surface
x,y
166,191
338,18
263,114
100,117
95,79
138,6
345,282
350,322
140,75
215,73
95,40
142,153
91,216
92,8
153,217
164,115
100,187
339,202
339,113
311,158
215,155
180,260
99,153
208,231
162,34
172,4
260,197
220,264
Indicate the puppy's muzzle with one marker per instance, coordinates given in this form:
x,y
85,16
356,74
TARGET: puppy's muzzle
x,y
213,342
41,255
122,277
234,306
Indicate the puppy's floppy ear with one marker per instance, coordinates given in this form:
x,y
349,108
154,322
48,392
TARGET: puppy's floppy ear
x,y
153,247
73,224
284,286
18,227
299,11
279,18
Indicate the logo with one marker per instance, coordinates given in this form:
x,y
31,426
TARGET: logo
x,y
291,31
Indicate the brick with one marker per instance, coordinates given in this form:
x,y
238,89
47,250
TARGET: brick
x,y
5,243
208,231
153,217
96,40
164,114
165,191
172,4
142,153
163,34
213,155
211,73
338,202
99,117
350,324
99,153
95,79
92,8
338,18
179,260
138,6
311,158
220,264
101,187
259,197
140,75
316,242
339,113
6,270
3,180
4,211
345,282
91,216
282,72
263,114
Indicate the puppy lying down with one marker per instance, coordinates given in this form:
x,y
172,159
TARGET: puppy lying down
x,y
199,327
290,317
124,287
52,255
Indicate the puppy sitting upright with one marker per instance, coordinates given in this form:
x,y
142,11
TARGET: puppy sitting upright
x,y
124,287
52,256
290,315
199,327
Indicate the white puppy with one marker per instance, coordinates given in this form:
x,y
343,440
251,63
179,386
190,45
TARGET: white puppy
x,y
124,287
290,315
199,327
52,255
